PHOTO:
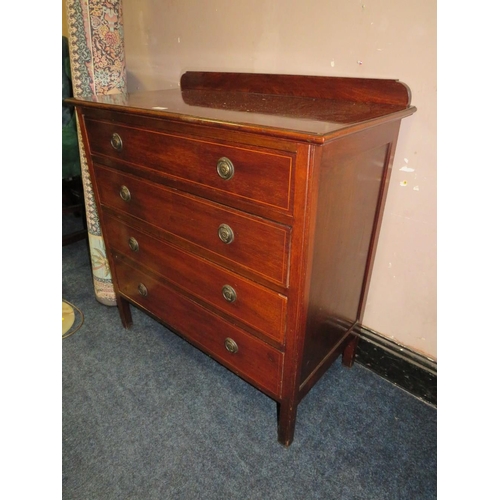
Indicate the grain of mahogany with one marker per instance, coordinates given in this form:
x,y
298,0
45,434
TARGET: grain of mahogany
x,y
312,158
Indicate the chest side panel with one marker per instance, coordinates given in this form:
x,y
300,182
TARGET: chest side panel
x,y
352,183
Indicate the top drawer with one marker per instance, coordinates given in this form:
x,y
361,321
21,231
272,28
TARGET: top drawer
x,y
248,174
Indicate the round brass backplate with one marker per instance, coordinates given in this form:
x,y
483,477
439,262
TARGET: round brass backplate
x,y
231,345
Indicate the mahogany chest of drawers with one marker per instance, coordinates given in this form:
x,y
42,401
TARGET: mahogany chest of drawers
x,y
243,210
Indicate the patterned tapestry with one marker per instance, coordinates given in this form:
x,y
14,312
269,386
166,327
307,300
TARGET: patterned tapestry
x,y
97,54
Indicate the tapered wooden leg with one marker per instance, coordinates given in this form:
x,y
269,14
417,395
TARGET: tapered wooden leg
x,y
124,310
350,351
287,413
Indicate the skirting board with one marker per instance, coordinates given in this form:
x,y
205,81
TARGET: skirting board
x,y
397,364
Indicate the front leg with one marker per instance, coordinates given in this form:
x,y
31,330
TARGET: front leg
x,y
124,309
287,413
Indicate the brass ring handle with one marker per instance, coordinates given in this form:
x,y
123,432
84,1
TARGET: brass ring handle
x,y
226,234
133,244
142,289
231,345
116,142
229,293
225,168
125,193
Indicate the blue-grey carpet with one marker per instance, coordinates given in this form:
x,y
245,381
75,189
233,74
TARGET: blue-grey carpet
x,y
146,416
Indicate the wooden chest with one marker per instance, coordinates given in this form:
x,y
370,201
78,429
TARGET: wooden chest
x,y
243,211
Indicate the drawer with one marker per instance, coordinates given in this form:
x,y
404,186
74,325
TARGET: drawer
x,y
257,306
262,177
239,241
247,356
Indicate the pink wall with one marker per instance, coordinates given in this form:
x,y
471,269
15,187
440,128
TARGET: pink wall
x,y
380,39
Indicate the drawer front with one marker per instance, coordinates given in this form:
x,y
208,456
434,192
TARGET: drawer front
x,y
240,241
258,176
257,306
249,357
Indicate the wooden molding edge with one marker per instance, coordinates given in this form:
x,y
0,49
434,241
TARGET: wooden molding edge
x,y
398,364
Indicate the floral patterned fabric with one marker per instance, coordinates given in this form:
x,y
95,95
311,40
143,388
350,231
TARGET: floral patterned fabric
x,y
97,54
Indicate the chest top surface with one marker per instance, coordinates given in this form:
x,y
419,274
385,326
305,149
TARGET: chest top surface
x,y
307,108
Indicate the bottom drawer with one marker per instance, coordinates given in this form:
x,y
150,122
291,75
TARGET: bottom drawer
x,y
245,355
